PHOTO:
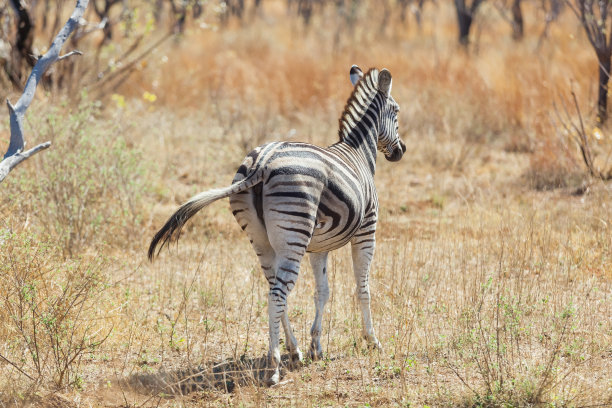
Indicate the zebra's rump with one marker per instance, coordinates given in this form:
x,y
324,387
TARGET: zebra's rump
x,y
308,194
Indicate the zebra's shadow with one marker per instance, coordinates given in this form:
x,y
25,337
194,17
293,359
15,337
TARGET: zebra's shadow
x,y
224,376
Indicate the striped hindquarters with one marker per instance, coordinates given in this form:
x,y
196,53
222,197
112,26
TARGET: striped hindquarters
x,y
311,196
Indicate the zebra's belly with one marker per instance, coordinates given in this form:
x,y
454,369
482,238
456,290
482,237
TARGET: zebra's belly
x,y
320,244
330,234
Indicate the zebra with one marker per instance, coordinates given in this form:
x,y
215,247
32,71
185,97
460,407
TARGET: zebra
x,y
291,198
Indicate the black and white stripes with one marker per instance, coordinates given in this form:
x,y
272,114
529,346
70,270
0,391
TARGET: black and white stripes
x,y
292,198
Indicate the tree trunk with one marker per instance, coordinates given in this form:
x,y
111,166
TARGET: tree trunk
x,y
517,20
197,10
403,7
23,43
464,18
158,10
604,77
305,10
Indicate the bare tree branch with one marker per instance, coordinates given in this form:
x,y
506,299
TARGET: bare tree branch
x,y
576,130
71,53
9,163
14,153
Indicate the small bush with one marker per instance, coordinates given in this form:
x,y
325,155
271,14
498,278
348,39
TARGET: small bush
x,y
87,187
553,166
505,358
50,312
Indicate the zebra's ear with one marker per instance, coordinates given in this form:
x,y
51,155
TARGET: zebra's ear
x,y
356,74
384,82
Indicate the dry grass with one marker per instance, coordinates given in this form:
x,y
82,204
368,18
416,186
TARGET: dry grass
x,y
491,281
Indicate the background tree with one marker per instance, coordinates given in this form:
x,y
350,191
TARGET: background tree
x,y
551,9
305,8
103,9
180,8
511,11
465,16
21,55
595,21
416,7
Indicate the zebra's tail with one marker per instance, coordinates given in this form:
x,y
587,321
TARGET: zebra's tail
x,y
175,223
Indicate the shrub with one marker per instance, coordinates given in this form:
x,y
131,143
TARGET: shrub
x,y
505,357
50,313
86,188
553,166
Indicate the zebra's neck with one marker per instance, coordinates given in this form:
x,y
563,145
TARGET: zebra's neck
x,y
360,121
360,144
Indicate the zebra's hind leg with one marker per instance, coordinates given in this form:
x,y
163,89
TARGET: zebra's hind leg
x,y
287,269
291,342
244,208
362,248
318,261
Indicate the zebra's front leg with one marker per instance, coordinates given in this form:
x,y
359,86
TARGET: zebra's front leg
x,y
318,261
362,247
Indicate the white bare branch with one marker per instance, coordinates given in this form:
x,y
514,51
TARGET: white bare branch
x,y
14,154
71,53
10,162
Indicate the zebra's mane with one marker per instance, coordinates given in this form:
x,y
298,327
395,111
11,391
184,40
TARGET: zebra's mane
x,y
358,103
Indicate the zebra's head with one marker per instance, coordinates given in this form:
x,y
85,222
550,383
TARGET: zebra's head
x,y
389,142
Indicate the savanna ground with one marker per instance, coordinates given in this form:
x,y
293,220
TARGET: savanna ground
x,y
491,279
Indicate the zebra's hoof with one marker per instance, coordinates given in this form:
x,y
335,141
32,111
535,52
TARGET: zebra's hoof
x,y
373,343
315,354
274,378
375,347
296,360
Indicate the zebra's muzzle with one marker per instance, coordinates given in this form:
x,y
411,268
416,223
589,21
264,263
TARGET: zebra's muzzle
x,y
397,154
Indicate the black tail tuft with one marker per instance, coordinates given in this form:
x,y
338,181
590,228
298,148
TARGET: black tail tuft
x,y
171,229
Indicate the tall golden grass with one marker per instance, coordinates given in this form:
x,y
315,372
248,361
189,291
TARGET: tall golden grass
x,y
491,280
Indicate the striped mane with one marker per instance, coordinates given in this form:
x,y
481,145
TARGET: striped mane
x,y
358,103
